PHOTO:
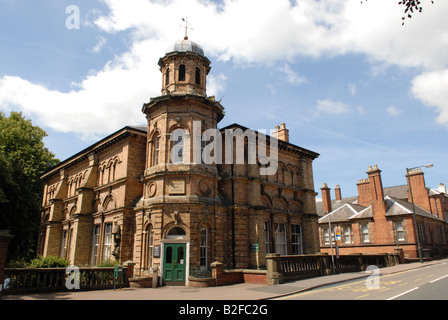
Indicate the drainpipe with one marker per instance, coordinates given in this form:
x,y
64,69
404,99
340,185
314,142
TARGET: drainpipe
x,y
233,218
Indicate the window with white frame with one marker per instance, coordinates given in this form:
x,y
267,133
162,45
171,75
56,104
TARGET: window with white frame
x,y
156,150
280,238
348,235
326,236
64,244
399,231
296,239
95,243
107,248
365,236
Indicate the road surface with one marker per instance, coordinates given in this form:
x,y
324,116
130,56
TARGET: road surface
x,y
429,282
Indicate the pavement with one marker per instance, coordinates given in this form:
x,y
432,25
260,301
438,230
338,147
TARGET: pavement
x,y
242,291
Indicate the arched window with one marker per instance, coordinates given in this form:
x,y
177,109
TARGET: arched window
x,y
155,150
178,139
176,233
149,245
197,76
204,248
182,73
167,77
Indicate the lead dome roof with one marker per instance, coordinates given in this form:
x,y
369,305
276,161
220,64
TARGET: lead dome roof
x,y
185,46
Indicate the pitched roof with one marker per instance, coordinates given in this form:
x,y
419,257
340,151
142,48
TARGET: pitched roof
x,y
343,213
116,136
400,192
396,207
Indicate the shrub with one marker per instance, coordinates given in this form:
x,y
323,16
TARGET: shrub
x,y
17,263
49,262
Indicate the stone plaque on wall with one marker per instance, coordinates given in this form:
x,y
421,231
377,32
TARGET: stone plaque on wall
x,y
176,186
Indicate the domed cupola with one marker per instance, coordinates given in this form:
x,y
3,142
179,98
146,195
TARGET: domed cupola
x,y
185,45
184,69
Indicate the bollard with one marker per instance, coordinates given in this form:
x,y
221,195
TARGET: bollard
x,y
155,276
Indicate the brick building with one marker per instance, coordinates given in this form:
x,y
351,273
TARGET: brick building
x,y
142,194
380,220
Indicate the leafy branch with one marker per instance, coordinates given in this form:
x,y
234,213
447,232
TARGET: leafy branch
x,y
411,7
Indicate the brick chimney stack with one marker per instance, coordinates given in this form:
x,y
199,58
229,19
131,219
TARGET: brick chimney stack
x,y
326,198
337,192
376,185
379,207
364,192
419,191
281,133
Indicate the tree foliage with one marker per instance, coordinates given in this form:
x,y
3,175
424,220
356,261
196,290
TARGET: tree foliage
x,y
411,7
23,157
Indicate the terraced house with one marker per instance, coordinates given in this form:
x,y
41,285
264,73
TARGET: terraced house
x,y
126,199
381,220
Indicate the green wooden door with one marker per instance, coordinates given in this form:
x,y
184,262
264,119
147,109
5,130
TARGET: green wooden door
x,y
174,264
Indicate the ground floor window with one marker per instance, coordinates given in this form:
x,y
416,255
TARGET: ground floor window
x,y
280,238
95,243
399,231
64,244
296,239
107,248
348,235
365,236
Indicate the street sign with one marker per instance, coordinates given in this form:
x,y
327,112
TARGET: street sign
x,y
338,236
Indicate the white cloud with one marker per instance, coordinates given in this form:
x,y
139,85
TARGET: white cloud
x,y
431,89
291,76
394,111
332,107
99,45
246,32
352,89
103,102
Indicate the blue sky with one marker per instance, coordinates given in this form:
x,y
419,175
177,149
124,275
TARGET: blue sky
x,y
348,80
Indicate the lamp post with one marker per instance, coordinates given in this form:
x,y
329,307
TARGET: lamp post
x,y
419,247
331,242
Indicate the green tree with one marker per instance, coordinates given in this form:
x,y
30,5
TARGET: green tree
x,y
23,157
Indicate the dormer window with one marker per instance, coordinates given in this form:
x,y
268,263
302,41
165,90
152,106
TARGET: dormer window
x,y
182,73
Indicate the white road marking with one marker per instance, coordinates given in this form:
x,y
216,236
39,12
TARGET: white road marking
x,y
402,294
438,279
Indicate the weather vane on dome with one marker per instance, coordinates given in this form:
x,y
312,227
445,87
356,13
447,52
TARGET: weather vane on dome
x,y
186,28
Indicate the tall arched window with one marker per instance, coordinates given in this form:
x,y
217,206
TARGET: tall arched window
x,y
182,73
204,248
149,245
197,76
155,150
178,139
167,77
